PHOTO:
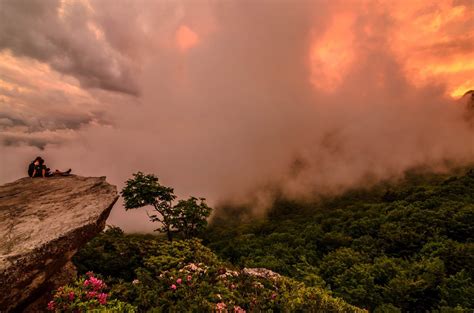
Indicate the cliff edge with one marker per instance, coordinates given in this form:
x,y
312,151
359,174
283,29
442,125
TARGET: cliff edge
x,y
43,222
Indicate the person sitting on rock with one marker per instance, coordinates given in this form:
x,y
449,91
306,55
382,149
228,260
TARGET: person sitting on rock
x,y
37,168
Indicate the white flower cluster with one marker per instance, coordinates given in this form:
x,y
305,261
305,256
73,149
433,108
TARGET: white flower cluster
x,y
228,273
194,268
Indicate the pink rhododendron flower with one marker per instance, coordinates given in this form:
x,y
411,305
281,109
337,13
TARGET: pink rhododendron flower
x,y
96,283
273,295
189,278
238,309
51,305
91,294
71,296
90,273
102,298
179,280
221,307
173,286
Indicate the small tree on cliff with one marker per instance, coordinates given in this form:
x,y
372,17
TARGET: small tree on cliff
x,y
187,216
143,190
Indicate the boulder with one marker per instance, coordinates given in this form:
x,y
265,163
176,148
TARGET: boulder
x,y
43,222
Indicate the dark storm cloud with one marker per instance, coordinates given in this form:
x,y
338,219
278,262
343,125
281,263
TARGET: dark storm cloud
x,y
44,129
16,140
59,121
37,139
35,29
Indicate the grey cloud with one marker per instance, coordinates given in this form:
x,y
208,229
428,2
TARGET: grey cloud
x,y
34,29
43,115
34,139
53,121
8,120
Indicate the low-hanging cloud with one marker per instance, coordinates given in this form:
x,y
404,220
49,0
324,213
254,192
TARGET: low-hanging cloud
x,y
249,95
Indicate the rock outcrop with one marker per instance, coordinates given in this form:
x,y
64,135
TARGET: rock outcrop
x,y
43,222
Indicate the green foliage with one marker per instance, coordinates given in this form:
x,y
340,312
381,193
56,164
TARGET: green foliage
x,y
416,286
188,217
114,254
145,190
300,298
387,308
458,289
407,247
185,276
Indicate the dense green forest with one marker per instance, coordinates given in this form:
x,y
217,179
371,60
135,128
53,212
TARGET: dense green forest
x,y
394,247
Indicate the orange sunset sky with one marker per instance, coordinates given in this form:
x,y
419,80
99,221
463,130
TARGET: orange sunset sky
x,y
433,41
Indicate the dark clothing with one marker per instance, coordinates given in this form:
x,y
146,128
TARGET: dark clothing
x,y
39,170
31,169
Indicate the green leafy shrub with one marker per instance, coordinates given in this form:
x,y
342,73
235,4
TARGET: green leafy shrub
x,y
185,276
114,254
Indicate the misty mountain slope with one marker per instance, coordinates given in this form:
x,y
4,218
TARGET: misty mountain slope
x,y
407,246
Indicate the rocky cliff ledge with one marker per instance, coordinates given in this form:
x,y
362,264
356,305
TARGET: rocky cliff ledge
x,y
43,222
